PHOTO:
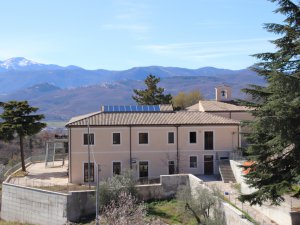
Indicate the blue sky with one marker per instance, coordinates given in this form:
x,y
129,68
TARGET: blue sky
x,y
120,34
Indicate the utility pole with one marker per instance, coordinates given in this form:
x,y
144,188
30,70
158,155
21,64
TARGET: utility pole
x,y
97,195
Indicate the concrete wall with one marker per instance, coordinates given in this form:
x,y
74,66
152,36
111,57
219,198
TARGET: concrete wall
x,y
234,216
283,214
171,183
30,205
166,189
157,152
36,206
81,204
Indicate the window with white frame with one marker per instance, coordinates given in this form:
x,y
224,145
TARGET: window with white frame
x,y
193,161
116,138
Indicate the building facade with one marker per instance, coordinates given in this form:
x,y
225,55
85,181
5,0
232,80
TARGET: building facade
x,y
150,143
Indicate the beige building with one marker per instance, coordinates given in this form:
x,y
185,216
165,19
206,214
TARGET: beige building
x,y
151,142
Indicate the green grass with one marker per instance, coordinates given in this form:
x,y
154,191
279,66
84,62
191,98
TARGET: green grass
x,y
168,211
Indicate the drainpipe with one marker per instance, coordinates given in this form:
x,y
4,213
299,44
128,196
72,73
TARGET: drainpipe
x,y
130,151
70,155
239,137
177,150
89,154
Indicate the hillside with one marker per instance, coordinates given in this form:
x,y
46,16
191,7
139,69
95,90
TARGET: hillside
x,y
62,92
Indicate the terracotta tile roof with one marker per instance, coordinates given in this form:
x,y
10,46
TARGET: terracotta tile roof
x,y
147,118
215,106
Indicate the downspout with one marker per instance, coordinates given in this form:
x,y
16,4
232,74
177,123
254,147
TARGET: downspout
x,y
177,150
239,137
70,156
130,151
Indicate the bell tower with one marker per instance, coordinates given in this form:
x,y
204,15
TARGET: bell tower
x,y
223,93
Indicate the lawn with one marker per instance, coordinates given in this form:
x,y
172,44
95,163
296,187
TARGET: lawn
x,y
169,212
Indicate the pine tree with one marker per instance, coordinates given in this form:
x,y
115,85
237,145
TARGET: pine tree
x,y
274,141
152,95
17,118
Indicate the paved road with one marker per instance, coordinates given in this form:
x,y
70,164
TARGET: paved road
x,y
233,197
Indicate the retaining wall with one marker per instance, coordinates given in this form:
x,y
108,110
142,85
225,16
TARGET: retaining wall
x,y
31,205
36,206
166,189
283,214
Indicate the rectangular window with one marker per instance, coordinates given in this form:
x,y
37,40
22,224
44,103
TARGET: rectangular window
x,y
143,168
193,161
143,138
171,137
193,137
171,167
116,138
116,168
208,140
86,173
88,139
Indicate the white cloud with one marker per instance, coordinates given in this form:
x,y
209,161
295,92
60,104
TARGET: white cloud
x,y
130,16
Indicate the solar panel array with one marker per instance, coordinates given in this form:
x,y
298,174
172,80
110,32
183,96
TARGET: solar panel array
x,y
131,108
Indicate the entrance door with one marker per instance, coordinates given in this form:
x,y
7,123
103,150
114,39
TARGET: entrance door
x,y
143,168
171,167
208,164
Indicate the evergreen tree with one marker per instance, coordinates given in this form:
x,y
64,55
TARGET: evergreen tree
x,y
274,143
152,95
17,118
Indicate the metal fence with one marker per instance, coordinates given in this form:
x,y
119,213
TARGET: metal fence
x,y
11,169
45,185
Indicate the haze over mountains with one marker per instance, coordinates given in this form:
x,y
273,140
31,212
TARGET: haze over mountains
x,y
62,92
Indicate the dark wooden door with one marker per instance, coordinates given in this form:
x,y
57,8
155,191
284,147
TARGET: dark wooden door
x,y
208,164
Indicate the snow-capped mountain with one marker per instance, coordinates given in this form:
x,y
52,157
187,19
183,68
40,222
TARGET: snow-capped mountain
x,y
22,64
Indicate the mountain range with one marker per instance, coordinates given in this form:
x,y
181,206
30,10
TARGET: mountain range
x,y
62,92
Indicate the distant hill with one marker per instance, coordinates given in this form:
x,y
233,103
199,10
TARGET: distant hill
x,y
62,92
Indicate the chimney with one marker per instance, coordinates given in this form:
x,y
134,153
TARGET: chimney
x,y
223,93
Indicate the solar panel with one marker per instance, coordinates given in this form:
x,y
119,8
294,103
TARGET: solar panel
x,y
131,108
